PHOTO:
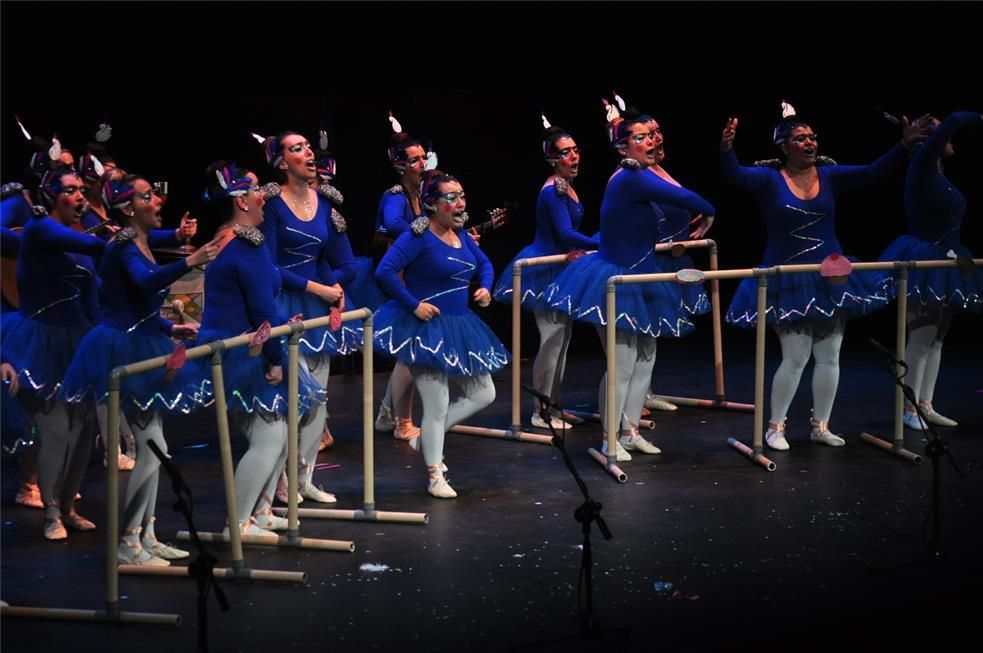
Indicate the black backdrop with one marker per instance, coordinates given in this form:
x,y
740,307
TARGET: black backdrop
x,y
183,83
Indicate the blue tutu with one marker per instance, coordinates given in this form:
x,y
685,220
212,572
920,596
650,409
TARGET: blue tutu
x,y
365,287
653,309
693,296
459,344
940,287
535,279
321,341
795,297
105,348
246,389
40,352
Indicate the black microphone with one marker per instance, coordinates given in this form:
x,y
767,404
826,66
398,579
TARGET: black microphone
x,y
887,352
539,395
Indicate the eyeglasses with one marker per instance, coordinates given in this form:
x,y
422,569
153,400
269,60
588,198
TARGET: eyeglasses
x,y
567,151
641,138
453,197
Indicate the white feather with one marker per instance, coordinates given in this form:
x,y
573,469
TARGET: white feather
x,y
97,166
617,98
322,139
787,109
22,129
431,162
395,123
259,139
221,179
546,123
611,111
54,152
105,132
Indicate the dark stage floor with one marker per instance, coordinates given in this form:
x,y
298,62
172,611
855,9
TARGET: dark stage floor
x,y
753,558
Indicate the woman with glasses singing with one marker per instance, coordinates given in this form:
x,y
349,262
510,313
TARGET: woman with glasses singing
x,y
428,327
133,288
630,218
241,285
307,240
58,305
558,215
797,195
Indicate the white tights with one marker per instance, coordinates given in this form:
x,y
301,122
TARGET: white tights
x,y
399,391
440,413
141,486
63,456
923,352
555,329
634,360
260,466
796,349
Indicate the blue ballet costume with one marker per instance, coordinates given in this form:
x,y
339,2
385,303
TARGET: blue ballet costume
x,y
935,210
393,217
456,342
558,216
630,217
132,290
804,232
241,285
312,251
674,227
58,304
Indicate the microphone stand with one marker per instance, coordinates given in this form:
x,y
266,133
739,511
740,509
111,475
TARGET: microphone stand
x,y
202,566
935,449
587,513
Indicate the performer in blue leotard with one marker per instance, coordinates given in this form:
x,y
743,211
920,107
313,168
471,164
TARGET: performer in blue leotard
x,y
133,288
677,224
58,305
428,325
558,214
630,217
241,285
807,311
399,206
935,210
307,240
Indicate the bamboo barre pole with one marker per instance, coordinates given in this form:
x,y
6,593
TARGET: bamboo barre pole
x,y
896,447
502,434
279,540
367,513
516,343
229,573
708,403
112,498
69,614
745,450
293,433
596,417
609,466
759,364
612,417
361,515
225,452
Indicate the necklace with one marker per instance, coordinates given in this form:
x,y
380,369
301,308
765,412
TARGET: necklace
x,y
305,206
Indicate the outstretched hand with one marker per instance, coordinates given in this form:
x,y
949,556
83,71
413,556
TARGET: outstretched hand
x,y
727,136
917,131
703,224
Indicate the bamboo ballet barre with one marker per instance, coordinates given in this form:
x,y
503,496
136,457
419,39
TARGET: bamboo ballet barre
x,y
896,446
368,511
719,400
